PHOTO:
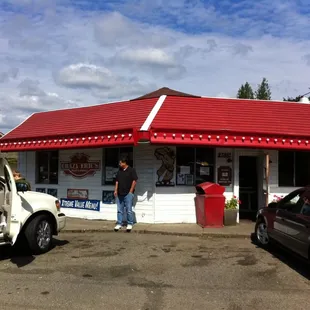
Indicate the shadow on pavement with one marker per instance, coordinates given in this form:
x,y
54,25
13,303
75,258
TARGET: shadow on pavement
x,y
292,260
20,254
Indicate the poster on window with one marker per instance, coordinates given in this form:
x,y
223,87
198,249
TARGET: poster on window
x,y
189,179
75,193
224,175
204,170
181,179
110,173
41,190
52,191
108,197
165,173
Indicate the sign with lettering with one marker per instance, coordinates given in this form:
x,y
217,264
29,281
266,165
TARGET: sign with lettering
x,y
224,175
224,155
90,205
80,166
74,193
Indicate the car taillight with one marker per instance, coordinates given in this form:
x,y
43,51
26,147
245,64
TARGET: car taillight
x,y
57,203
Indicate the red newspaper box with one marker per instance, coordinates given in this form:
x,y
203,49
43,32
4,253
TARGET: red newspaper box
x,y
210,204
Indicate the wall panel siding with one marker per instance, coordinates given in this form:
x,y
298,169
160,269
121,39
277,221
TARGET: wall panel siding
x,y
173,204
144,206
152,204
144,201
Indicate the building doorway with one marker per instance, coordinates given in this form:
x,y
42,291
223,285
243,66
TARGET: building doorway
x,y
248,187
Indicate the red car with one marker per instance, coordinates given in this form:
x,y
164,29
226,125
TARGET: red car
x,y
287,222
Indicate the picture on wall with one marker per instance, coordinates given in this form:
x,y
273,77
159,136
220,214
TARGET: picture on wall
x,y
75,193
40,190
165,172
52,191
108,197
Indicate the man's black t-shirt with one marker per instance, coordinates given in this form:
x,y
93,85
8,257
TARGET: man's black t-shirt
x,y
125,179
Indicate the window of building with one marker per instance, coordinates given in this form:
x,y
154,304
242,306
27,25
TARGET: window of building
x,y
47,167
111,162
294,168
194,165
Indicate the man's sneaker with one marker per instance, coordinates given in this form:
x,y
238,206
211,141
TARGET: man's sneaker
x,y
129,228
117,227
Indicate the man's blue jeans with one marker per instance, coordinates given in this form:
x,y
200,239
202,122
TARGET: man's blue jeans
x,y
122,203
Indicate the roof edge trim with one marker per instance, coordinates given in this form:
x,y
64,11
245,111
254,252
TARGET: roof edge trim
x,y
153,113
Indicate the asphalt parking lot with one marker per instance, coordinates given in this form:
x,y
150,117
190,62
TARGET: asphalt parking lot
x,y
133,271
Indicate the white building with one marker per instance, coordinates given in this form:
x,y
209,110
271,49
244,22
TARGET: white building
x,y
256,149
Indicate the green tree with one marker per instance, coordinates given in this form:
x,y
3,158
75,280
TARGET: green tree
x,y
245,92
263,91
296,99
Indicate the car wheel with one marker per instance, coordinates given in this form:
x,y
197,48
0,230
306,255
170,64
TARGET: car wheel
x,y
261,233
39,234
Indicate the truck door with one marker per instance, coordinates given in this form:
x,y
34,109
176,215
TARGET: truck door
x,y
12,202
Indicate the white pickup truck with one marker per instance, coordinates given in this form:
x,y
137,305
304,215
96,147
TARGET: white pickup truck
x,y
30,216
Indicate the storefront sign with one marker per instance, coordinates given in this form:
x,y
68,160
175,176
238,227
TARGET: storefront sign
x,y
91,205
74,193
224,175
165,173
80,166
224,155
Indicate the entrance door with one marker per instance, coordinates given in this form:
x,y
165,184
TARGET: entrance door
x,y
248,187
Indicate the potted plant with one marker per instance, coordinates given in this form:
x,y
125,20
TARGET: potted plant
x,y
231,211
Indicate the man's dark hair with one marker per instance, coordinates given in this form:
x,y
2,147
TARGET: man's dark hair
x,y
124,160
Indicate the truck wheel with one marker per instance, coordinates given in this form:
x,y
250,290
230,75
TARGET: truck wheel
x,y
39,234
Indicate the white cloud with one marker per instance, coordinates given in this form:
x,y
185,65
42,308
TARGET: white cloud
x,y
157,62
148,56
115,30
58,53
85,76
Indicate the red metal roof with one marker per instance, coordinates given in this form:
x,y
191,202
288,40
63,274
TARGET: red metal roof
x,y
232,122
106,124
233,115
180,120
86,120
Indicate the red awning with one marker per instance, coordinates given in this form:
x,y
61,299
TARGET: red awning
x,y
228,140
119,138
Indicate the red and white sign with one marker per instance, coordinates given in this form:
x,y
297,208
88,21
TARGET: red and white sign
x,y
80,166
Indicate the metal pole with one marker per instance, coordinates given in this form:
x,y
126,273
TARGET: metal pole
x,y
267,178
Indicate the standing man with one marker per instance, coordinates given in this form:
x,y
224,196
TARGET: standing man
x,y
126,180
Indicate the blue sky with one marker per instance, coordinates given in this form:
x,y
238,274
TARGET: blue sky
x,y
65,53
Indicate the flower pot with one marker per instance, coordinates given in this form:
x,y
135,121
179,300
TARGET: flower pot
x,y
230,217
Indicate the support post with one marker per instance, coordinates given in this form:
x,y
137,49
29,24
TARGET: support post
x,y
267,171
